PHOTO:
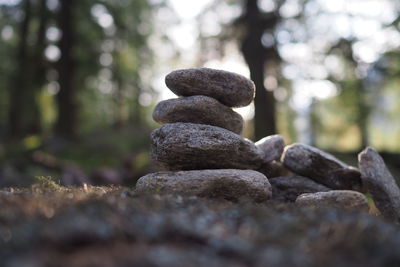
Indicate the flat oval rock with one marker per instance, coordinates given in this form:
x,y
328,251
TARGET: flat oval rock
x,y
198,109
188,146
322,167
229,184
287,189
347,199
229,88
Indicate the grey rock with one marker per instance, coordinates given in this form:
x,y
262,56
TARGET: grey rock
x,y
229,88
380,183
346,199
198,109
322,167
274,169
229,184
188,146
287,189
272,147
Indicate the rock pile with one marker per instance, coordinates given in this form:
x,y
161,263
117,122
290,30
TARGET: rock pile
x,y
201,150
199,145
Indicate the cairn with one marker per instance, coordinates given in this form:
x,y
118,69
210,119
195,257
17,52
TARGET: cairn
x,y
200,148
199,145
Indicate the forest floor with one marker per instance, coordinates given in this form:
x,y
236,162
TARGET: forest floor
x,y
50,225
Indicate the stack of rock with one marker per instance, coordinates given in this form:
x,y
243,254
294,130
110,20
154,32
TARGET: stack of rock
x,y
203,154
200,144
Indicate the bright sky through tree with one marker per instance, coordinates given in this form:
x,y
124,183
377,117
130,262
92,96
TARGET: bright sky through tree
x,y
363,19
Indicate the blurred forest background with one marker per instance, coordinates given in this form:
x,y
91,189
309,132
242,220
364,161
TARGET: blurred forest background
x,y
79,78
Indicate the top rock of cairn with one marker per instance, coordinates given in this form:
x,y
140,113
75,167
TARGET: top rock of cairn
x,y
231,89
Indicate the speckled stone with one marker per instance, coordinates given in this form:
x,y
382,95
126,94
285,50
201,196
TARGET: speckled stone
x,y
287,189
229,184
346,199
229,88
198,109
272,147
380,183
274,169
188,146
322,167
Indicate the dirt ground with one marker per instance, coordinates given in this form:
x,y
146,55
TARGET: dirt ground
x,y
113,226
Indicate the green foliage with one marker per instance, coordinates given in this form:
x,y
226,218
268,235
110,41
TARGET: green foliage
x,y
110,54
48,183
118,30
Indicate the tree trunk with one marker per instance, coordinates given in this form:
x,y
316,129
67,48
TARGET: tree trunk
x,y
313,118
67,121
40,67
255,55
120,106
364,111
19,83
264,103
137,109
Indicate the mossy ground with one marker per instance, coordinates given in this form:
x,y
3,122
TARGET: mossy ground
x,y
112,226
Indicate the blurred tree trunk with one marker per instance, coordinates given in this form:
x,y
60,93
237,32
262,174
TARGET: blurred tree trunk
x,y
120,106
137,108
313,117
67,120
120,118
364,111
39,71
40,66
256,55
24,116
